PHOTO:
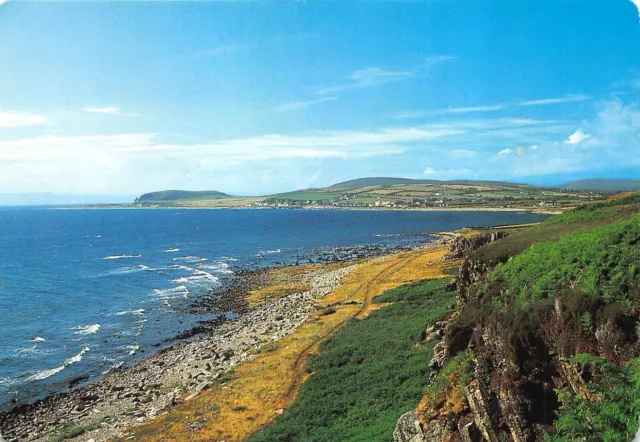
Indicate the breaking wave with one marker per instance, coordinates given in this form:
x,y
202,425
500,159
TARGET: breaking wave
x,y
122,256
44,374
190,259
86,329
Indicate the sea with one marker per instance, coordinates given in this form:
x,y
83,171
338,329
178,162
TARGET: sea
x,y
85,290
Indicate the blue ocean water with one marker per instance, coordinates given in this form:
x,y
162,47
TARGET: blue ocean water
x,y
82,291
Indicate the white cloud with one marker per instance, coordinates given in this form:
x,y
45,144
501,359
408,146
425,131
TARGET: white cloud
x,y
518,151
558,100
19,119
577,137
132,163
637,4
112,110
296,105
447,174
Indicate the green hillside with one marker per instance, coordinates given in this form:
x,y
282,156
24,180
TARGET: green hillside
x,y
172,195
388,192
390,181
603,185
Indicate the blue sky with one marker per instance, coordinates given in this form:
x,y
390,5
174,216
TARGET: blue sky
x,y
260,97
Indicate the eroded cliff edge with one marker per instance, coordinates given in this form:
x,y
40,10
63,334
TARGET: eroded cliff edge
x,y
543,344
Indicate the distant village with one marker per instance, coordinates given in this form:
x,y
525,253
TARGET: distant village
x,y
408,203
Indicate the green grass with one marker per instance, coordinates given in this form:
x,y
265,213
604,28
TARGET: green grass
x,y
603,262
172,195
69,430
367,374
303,196
448,386
584,219
607,409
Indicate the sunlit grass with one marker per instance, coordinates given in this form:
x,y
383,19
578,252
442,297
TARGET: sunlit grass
x,y
264,387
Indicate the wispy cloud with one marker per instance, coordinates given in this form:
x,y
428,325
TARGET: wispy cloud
x,y
447,174
409,115
413,114
19,119
217,51
123,162
376,76
465,110
111,110
557,100
296,105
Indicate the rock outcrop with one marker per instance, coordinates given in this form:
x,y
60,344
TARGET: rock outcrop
x,y
507,399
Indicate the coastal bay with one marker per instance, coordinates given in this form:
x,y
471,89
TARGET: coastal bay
x,y
236,309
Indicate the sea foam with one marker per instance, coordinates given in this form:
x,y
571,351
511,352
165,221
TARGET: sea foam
x,y
122,256
44,374
190,259
86,329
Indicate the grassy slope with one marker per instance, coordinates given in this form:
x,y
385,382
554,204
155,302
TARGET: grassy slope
x,y
607,185
172,195
574,293
582,220
303,195
367,374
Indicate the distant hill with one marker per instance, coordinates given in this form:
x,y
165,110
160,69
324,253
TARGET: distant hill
x,y
172,195
389,181
603,185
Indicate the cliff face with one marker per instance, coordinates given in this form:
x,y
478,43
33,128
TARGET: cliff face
x,y
498,368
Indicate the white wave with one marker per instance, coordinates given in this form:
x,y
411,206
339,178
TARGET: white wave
x,y
31,351
44,374
8,382
181,290
122,256
86,329
76,358
113,367
133,348
134,269
387,235
198,277
38,339
98,236
178,266
171,250
228,258
190,259
268,252
221,267
138,312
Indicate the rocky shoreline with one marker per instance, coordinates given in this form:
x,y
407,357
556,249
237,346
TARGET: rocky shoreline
x,y
131,395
